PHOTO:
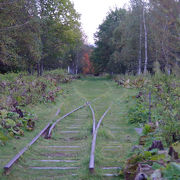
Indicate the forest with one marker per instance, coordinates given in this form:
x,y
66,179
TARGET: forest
x,y
134,40
39,34
74,110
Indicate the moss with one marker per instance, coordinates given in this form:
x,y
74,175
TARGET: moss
x,y
158,157
147,155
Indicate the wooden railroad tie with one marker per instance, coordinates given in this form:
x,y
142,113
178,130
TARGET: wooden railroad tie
x,y
47,127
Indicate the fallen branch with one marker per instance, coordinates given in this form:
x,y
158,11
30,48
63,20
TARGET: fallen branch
x,y
93,146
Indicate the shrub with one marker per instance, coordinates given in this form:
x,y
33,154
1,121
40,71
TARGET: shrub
x,y
138,113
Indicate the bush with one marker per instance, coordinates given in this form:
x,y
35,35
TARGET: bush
x,y
14,124
138,113
165,106
146,129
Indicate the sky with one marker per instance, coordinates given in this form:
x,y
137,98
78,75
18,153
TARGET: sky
x,y
93,12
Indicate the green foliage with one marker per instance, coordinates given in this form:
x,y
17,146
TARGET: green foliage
x,y
156,166
120,40
11,124
37,34
138,113
165,106
166,93
22,90
156,68
104,42
146,129
172,171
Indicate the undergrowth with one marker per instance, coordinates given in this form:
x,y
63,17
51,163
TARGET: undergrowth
x,y
156,111
19,90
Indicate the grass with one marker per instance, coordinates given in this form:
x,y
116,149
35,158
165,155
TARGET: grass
x,y
115,133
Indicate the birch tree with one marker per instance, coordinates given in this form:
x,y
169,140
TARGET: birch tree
x,y
145,41
140,39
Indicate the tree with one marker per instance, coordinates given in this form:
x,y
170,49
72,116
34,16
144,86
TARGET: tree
x,y
104,49
164,30
87,65
37,34
145,41
148,30
20,43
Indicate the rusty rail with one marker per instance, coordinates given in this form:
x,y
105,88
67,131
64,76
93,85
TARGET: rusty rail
x,y
54,124
48,126
93,145
18,155
94,119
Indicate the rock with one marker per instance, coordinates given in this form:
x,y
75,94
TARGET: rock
x,y
139,130
156,175
141,176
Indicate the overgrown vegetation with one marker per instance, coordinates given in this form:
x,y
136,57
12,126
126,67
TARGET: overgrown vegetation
x,y
38,35
156,112
19,90
164,107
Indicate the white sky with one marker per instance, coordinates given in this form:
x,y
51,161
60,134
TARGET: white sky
x,y
93,12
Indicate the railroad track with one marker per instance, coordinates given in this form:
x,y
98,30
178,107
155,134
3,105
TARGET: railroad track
x,y
64,157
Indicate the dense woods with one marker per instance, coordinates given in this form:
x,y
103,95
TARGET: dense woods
x,y
139,38
38,34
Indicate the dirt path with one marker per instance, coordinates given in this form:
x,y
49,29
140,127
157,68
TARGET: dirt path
x,y
66,154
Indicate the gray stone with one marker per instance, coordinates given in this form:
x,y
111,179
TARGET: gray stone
x,y
139,130
141,176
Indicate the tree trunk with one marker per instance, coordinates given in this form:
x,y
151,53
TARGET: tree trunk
x,y
76,69
29,71
164,49
140,45
145,38
41,68
38,69
32,71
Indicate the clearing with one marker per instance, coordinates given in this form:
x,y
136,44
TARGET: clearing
x,y
66,154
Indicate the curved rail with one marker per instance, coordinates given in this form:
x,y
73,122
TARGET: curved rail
x,y
94,119
19,154
93,146
54,124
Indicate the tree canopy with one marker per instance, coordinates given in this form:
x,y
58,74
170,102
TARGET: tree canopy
x,y
37,34
134,39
